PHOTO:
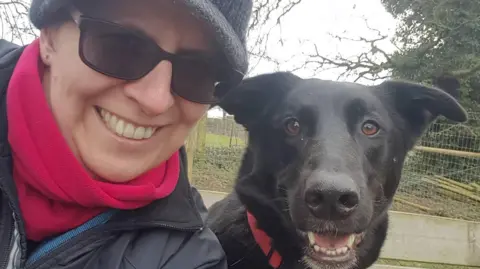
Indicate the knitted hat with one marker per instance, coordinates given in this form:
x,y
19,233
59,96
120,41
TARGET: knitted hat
x,y
228,18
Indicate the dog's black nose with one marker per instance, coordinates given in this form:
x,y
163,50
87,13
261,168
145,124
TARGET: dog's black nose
x,y
331,196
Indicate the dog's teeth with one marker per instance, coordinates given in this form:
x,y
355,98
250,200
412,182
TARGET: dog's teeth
x,y
341,251
351,240
311,238
331,252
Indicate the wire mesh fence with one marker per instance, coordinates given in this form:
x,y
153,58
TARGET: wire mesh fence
x,y
440,177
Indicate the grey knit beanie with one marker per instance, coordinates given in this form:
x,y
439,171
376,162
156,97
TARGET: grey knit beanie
x,y
228,18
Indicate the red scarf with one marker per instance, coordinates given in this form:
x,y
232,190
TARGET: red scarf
x,y
56,193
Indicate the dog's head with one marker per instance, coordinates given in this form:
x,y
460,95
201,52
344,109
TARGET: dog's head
x,y
336,150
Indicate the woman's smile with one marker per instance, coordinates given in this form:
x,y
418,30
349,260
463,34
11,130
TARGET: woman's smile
x,y
125,128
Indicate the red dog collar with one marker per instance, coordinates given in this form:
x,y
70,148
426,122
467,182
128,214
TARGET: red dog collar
x,y
265,242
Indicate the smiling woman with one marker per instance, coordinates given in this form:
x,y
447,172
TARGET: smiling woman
x,y
93,117
141,76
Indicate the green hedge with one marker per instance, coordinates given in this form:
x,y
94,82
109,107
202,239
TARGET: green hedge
x,y
216,168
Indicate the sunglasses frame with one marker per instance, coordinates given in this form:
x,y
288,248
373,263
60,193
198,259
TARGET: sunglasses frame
x,y
223,80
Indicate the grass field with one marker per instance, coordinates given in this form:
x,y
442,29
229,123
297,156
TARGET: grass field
x,y
215,140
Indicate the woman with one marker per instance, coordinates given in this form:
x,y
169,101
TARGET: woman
x,y
93,116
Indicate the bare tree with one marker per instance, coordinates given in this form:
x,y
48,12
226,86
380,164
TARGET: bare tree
x,y
372,64
265,28
15,24
413,52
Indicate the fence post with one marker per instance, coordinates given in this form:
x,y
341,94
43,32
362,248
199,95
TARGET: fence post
x,y
190,146
201,136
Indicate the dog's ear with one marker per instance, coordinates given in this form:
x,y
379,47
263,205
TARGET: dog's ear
x,y
419,105
252,98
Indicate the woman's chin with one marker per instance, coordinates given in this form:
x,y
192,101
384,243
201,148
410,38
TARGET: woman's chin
x,y
115,169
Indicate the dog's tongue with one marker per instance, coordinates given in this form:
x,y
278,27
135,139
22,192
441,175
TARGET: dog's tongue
x,y
331,241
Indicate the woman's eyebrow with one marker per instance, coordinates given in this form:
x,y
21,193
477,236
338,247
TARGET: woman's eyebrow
x,y
189,52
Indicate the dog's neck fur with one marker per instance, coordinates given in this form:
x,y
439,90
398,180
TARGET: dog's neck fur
x,y
277,225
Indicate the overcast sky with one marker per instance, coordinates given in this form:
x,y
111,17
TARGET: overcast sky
x,y
313,20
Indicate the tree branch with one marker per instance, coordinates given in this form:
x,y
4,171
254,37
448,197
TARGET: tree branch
x,y
267,16
365,65
462,73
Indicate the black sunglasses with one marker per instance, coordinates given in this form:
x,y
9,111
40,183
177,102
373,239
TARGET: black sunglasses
x,y
120,52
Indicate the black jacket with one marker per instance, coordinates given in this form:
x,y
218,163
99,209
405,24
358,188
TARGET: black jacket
x,y
168,233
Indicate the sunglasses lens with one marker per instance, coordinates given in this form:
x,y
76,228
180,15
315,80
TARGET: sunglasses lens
x,y
114,52
194,80
118,52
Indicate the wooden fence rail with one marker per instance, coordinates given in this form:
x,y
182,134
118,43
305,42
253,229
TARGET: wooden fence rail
x,y
451,152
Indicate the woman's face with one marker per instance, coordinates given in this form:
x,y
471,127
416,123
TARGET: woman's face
x,y
120,129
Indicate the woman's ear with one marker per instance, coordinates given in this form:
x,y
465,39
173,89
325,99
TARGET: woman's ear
x,y
47,44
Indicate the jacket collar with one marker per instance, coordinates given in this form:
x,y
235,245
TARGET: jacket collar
x,y
180,210
9,53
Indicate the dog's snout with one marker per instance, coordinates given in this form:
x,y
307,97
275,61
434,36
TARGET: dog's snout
x,y
332,197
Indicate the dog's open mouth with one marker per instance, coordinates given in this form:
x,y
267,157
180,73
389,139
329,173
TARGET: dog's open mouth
x,y
332,248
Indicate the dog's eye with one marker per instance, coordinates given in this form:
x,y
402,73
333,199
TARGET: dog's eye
x,y
292,126
370,128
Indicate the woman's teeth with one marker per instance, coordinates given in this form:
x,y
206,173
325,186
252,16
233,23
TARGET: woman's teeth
x,y
124,128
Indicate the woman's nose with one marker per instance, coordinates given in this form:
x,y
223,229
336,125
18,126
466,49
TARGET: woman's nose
x,y
153,92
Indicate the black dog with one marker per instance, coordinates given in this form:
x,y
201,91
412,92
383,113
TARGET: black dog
x,y
322,165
